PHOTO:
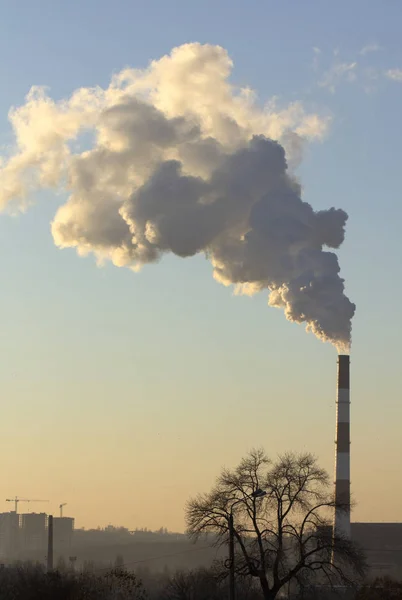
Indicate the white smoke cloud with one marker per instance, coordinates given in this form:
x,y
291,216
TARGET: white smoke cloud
x,y
394,74
183,162
369,48
337,73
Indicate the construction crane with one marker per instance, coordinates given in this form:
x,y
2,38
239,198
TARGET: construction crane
x,y
61,509
16,500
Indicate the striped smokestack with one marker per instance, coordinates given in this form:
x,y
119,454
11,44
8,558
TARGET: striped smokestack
x,y
342,455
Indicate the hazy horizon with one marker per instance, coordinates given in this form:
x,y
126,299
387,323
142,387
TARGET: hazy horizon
x,y
124,393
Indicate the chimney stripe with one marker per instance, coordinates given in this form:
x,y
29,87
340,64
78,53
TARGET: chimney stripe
x,y
343,409
343,466
343,372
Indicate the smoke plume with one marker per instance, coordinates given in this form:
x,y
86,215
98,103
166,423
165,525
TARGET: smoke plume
x,y
173,158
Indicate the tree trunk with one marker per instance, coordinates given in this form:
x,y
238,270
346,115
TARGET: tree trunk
x,y
269,594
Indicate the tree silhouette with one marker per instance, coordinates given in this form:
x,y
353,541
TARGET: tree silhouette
x,y
284,537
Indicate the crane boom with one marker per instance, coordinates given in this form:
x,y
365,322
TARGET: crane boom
x,y
16,500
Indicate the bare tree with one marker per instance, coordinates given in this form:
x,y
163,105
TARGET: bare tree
x,y
284,537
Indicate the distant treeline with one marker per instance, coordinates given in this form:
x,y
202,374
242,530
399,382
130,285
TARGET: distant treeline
x,y
31,582
115,534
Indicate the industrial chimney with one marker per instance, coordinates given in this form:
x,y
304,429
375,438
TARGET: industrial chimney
x,y
342,452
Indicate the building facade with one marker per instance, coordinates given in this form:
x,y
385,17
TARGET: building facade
x,y
9,536
63,528
33,531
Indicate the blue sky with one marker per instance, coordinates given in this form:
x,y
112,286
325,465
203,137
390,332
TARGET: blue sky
x,y
114,383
